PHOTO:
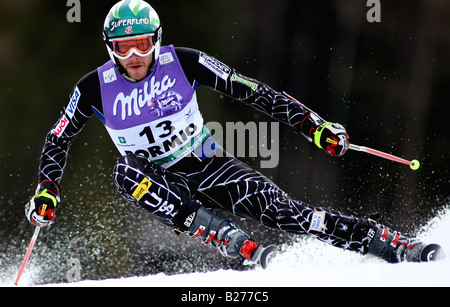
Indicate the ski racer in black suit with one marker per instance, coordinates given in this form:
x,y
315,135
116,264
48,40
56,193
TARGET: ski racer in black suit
x,y
172,167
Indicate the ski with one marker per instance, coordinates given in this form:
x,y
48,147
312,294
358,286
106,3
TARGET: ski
x,y
419,251
262,256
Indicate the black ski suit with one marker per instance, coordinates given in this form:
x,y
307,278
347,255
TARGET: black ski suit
x,y
207,176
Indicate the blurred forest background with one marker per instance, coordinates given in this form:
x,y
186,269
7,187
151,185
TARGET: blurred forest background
x,y
387,82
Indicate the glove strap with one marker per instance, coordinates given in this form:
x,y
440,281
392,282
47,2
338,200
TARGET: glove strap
x,y
51,186
318,133
48,195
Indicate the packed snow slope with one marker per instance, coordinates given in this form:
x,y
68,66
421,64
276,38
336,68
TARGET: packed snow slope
x,y
312,263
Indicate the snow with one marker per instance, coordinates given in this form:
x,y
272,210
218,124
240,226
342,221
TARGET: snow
x,y
310,263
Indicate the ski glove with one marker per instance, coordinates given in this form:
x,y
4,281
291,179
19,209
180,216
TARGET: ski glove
x,y
40,210
332,138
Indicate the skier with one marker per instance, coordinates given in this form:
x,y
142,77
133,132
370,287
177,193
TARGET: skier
x,y
172,167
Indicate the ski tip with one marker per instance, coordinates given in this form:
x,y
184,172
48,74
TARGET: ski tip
x,y
432,252
266,255
262,256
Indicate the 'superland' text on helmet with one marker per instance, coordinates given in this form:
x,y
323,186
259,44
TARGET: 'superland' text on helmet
x,y
129,22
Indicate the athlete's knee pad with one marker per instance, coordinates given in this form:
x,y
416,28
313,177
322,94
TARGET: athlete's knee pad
x,y
130,172
143,184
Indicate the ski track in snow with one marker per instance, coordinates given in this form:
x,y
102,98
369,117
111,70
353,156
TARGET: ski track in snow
x,y
310,263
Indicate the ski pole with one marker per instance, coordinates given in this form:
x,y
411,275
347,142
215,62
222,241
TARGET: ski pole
x,y
413,164
27,255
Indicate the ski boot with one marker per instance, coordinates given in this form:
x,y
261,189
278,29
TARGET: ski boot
x,y
231,241
393,247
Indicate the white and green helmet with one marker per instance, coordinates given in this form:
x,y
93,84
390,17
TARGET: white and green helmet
x,y
132,18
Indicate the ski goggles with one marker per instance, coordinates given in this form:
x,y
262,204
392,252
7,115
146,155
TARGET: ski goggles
x,y
123,48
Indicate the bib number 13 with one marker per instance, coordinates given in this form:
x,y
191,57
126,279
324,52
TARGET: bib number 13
x,y
165,125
